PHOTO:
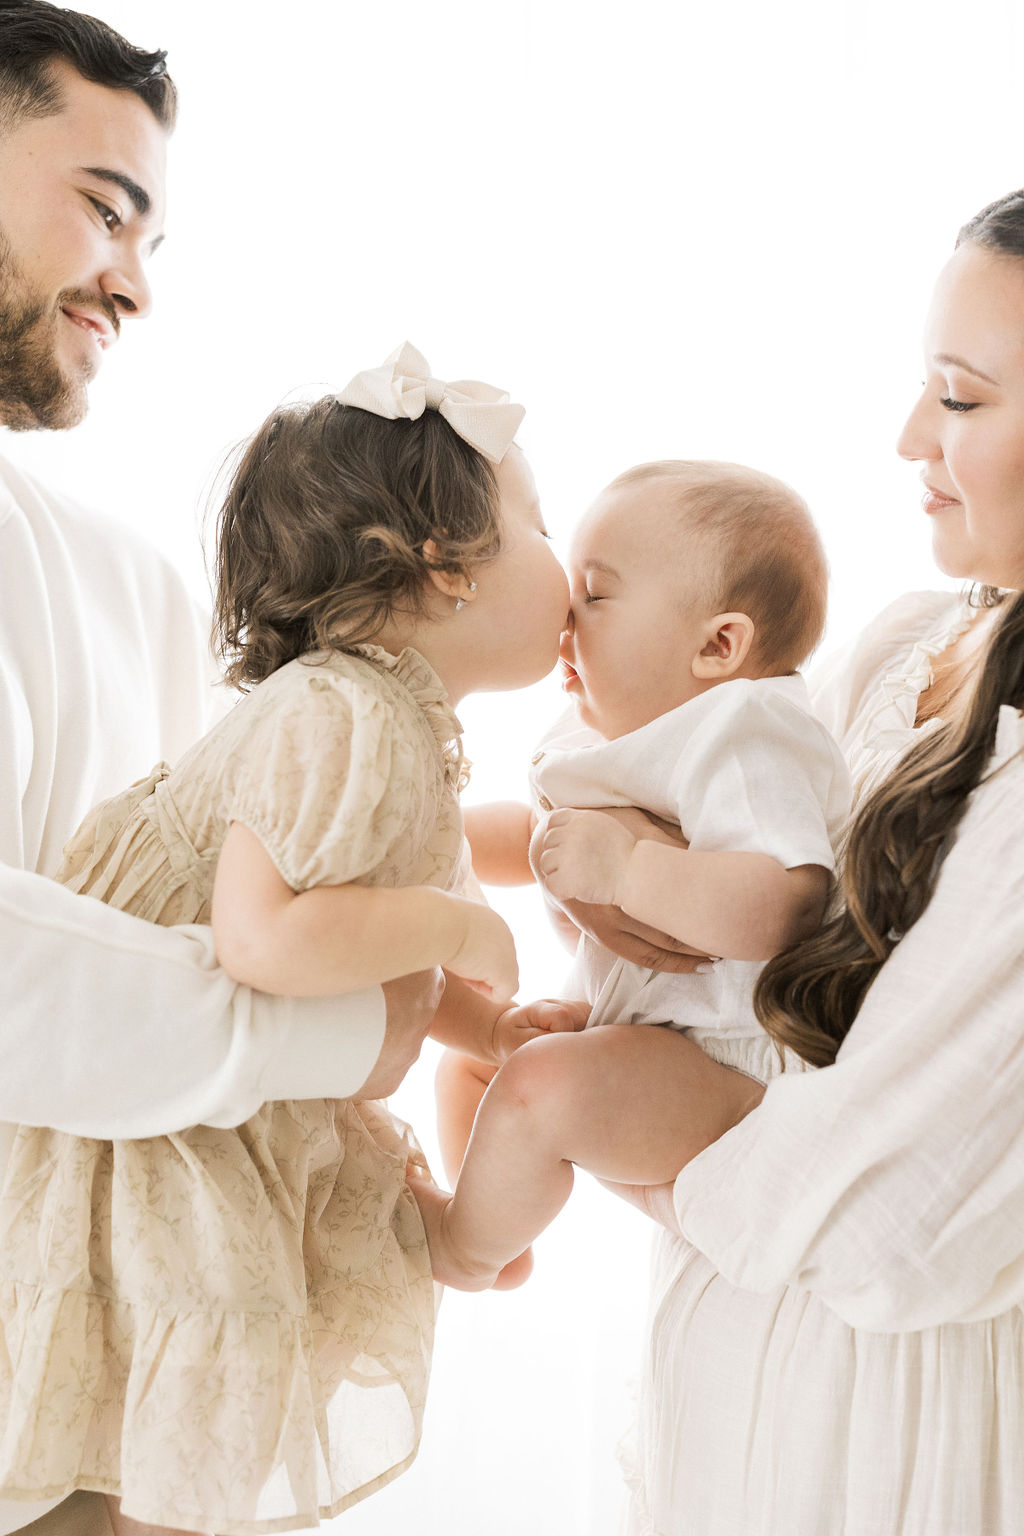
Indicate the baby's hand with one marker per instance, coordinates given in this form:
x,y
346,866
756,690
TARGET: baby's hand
x,y
582,855
486,954
525,1021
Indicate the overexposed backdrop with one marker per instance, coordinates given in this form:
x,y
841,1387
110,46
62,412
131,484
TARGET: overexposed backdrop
x,y
670,229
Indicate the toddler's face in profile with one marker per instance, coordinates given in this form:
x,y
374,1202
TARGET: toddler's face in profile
x,y
637,617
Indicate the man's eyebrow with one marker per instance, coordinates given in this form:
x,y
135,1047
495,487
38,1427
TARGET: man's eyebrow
x,y
958,362
141,200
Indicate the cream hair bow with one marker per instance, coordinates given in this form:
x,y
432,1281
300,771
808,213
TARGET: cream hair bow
x,y
403,386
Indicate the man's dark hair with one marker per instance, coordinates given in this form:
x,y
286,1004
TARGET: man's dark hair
x,y
33,34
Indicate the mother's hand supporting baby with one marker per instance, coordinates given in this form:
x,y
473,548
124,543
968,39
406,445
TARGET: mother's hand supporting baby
x,y
734,1094
622,934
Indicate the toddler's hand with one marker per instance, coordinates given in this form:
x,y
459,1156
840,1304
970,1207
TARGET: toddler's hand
x,y
582,855
525,1021
486,955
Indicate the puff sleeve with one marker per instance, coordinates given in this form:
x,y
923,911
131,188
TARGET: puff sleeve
x,y
317,780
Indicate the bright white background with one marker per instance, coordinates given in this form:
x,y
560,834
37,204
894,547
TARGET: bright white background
x,y
670,229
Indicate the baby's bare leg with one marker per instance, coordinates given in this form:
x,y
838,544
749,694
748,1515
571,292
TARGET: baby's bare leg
x,y
124,1525
629,1103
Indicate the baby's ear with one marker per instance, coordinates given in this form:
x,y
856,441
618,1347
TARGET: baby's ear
x,y
727,641
451,583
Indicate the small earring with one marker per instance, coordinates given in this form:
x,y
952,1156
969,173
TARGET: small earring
x,y
461,603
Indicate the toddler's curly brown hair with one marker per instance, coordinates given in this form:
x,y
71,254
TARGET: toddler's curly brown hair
x,y
320,539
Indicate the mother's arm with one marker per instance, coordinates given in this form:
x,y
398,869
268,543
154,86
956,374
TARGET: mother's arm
x,y
891,1184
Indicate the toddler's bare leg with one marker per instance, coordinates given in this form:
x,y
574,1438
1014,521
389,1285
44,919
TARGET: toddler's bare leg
x,y
124,1525
630,1103
460,1084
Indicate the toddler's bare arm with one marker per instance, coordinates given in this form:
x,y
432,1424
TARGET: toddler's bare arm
x,y
338,938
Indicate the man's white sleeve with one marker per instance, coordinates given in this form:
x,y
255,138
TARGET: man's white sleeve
x,y
118,1028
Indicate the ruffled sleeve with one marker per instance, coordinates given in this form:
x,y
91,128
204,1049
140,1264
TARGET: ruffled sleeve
x,y
313,781
759,773
891,1184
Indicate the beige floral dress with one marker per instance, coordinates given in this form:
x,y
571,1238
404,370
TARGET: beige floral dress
x,y
232,1328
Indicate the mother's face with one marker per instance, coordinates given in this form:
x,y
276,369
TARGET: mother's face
x,y
967,429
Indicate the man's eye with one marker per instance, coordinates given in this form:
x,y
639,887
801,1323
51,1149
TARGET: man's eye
x,y
109,217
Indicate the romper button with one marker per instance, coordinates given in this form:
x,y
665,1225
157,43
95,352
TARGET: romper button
x,y
544,803
536,758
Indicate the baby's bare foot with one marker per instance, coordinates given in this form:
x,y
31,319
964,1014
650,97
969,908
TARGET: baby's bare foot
x,y
516,1272
449,1265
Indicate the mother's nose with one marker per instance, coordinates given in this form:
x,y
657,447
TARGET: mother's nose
x,y
917,439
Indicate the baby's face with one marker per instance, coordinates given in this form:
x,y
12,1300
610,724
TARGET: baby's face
x,y
636,620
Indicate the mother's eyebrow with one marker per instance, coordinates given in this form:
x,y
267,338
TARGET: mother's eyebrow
x,y
958,362
141,200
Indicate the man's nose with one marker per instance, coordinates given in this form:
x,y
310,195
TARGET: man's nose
x,y
128,290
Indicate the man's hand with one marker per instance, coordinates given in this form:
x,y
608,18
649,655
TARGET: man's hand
x,y
525,1021
411,1002
582,855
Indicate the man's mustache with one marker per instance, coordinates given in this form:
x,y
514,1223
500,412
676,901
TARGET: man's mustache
x,y
83,298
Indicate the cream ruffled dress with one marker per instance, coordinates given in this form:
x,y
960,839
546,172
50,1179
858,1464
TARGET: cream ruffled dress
x,y
232,1328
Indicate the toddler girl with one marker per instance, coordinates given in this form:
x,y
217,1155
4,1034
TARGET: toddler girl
x,y
697,590
231,1329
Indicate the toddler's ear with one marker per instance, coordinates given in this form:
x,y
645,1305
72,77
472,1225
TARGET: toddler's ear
x,y
450,583
727,641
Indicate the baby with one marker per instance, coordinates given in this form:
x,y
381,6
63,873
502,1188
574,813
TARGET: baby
x,y
697,590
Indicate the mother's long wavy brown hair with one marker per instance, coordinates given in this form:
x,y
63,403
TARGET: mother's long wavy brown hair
x,y
807,997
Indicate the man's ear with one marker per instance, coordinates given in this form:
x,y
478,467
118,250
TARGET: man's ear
x,y
450,583
727,641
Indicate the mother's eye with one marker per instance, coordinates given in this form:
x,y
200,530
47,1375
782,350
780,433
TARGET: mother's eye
x,y
957,405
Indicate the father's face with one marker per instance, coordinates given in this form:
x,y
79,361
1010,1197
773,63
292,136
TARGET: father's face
x,y
82,197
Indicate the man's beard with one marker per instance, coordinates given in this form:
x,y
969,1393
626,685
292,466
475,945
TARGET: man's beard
x,y
34,392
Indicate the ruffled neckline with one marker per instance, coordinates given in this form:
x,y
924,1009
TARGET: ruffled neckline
x,y
415,674
892,722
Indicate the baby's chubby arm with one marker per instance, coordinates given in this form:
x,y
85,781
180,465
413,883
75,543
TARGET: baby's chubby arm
x,y
499,834
339,938
742,906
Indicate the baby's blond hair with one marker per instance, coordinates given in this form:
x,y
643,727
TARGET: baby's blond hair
x,y
761,552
